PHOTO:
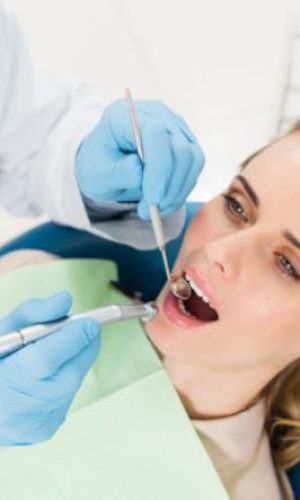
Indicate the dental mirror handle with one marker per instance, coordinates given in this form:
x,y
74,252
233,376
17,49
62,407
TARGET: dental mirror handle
x,y
154,211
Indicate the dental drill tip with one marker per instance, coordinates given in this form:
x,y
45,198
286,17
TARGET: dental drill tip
x,y
152,311
180,288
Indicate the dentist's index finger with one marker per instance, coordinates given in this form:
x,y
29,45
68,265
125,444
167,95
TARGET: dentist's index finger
x,y
34,311
45,356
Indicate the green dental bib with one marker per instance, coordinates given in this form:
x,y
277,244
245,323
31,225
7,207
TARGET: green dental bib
x,y
127,435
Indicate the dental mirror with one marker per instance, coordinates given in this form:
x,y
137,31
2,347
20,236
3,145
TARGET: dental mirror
x,y
180,288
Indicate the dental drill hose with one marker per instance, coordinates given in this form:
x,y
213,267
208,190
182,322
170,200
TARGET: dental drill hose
x,y
116,312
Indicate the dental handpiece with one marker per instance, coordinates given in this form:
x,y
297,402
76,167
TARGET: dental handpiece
x,y
17,339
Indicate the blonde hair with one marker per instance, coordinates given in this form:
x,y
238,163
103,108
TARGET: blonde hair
x,y
282,396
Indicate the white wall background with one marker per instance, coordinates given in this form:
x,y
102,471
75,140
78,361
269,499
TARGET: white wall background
x,y
219,64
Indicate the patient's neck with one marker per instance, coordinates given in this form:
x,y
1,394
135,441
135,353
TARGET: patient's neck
x,y
208,394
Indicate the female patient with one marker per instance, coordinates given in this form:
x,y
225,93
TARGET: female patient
x,y
238,375
241,372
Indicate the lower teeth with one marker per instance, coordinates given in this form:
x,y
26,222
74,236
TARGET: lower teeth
x,y
183,309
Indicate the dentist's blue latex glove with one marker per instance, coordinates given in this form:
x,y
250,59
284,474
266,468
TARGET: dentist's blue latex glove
x,y
108,167
39,382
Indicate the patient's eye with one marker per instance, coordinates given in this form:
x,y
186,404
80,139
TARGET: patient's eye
x,y
288,269
234,207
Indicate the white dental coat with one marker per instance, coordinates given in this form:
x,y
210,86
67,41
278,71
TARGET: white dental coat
x,y
42,123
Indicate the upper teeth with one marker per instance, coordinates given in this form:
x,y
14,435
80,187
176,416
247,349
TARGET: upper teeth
x,y
196,289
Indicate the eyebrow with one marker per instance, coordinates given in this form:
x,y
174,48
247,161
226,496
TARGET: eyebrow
x,y
251,193
255,199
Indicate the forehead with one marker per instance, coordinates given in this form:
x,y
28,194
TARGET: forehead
x,y
275,174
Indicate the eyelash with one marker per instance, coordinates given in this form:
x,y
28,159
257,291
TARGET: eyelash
x,y
228,200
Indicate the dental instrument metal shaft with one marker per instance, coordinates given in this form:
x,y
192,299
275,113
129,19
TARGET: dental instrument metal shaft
x,y
108,314
154,211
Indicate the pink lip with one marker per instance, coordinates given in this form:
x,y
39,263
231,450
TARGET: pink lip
x,y
198,280
173,313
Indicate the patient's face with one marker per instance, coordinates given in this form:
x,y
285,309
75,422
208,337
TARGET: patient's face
x,y
250,267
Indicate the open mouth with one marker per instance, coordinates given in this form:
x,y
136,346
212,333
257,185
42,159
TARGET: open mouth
x,y
197,306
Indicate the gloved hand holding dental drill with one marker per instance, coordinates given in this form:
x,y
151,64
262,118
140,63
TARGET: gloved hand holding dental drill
x,y
39,381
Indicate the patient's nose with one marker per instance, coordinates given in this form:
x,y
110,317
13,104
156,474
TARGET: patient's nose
x,y
224,257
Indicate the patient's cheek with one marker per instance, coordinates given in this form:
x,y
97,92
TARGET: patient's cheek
x,y
200,231
203,228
